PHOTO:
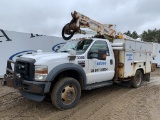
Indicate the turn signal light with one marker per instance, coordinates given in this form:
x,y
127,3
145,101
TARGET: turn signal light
x,y
41,71
104,56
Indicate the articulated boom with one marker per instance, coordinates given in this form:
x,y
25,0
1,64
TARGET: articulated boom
x,y
81,21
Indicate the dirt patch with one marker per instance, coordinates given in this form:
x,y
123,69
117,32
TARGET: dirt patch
x,y
111,103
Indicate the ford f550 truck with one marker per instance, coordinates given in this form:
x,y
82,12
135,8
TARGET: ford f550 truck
x,y
80,65
83,64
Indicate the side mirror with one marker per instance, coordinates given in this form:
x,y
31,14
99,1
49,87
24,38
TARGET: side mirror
x,y
102,54
92,54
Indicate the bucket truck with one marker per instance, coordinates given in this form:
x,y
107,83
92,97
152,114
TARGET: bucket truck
x,y
82,64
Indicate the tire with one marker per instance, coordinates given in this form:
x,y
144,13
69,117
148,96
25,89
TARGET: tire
x,y
136,81
63,34
66,93
147,77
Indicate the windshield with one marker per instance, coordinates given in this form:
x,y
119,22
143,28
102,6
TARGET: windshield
x,y
80,46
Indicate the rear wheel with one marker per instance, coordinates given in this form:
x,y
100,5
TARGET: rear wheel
x,y
66,93
136,81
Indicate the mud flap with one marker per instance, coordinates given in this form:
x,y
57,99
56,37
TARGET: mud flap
x,y
153,67
32,96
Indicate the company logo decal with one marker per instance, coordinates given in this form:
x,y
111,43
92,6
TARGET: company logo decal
x,y
57,46
101,63
36,35
3,34
18,54
129,56
99,70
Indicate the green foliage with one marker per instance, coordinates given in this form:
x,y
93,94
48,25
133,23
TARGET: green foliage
x,y
151,36
148,36
128,33
133,34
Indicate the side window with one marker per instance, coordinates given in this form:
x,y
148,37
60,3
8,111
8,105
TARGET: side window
x,y
99,45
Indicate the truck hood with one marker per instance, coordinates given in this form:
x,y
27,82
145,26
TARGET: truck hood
x,y
45,57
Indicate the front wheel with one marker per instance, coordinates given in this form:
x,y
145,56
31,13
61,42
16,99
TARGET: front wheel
x,y
136,81
66,93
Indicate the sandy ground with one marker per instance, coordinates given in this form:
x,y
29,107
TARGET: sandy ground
x,y
108,103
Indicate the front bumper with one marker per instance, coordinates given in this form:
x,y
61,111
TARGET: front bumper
x,y
28,88
35,87
32,90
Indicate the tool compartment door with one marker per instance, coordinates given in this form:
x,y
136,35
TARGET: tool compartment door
x,y
148,63
128,65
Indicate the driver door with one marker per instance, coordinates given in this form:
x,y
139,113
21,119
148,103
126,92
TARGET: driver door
x,y
99,70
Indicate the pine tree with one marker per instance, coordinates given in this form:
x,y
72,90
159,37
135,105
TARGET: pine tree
x,y
134,35
128,33
148,36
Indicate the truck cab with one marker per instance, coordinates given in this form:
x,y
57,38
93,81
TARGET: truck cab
x,y
90,58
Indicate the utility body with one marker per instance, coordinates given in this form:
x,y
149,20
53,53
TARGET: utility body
x,y
82,64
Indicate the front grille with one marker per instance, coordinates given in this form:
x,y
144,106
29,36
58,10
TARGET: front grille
x,y
22,68
25,68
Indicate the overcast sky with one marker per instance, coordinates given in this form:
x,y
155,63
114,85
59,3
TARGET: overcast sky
x,y
49,16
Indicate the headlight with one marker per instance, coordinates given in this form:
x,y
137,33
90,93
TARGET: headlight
x,y
41,73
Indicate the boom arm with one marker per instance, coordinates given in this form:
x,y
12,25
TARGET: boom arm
x,y
81,21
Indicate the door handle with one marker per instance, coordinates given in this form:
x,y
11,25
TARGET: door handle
x,y
111,61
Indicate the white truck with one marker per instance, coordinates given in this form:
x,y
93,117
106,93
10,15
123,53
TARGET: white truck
x,y
82,64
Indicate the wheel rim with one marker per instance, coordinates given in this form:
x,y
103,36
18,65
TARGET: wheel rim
x,y
138,79
68,94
